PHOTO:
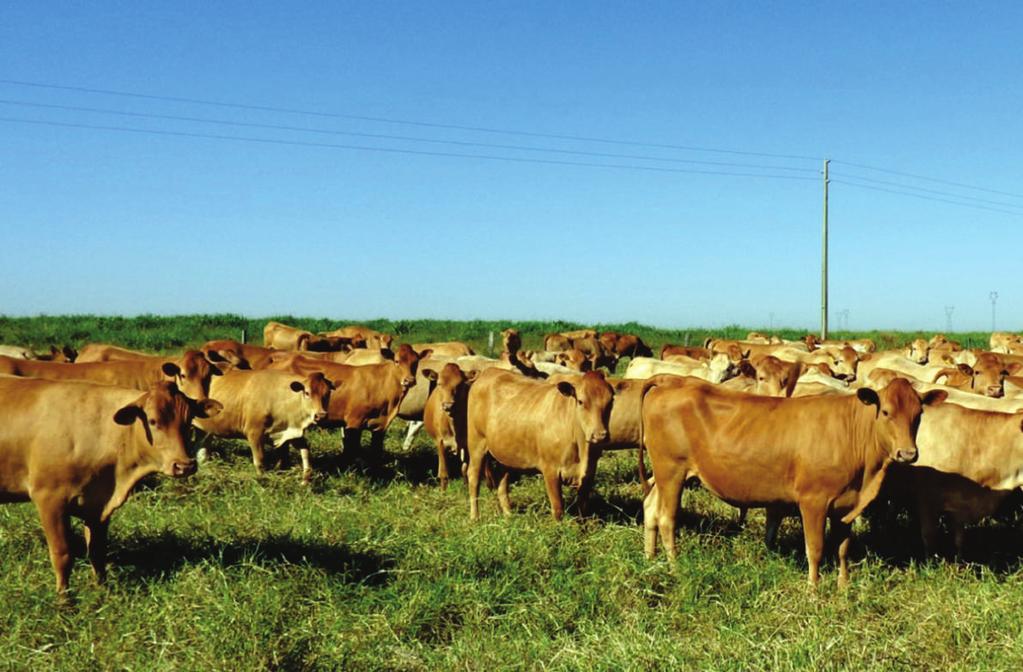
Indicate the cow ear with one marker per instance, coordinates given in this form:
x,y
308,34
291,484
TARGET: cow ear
x,y
934,397
128,414
53,350
387,353
207,408
297,386
70,353
747,369
866,357
171,369
215,371
1013,369
471,375
214,357
425,353
966,369
868,396
430,374
566,389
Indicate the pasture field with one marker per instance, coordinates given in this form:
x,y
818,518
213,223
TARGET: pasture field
x,y
373,567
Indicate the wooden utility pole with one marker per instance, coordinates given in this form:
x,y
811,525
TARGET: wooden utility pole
x,y
824,259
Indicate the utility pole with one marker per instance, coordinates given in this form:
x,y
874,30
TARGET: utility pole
x,y
844,319
824,259
948,318
994,299
771,316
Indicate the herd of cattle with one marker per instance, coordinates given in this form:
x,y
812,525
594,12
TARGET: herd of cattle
x,y
809,428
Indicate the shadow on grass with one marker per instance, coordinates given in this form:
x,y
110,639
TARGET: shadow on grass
x,y
144,557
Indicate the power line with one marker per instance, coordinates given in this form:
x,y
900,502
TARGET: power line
x,y
386,120
381,136
930,191
928,198
929,179
299,143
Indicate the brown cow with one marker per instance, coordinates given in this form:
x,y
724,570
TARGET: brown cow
x,y
371,337
78,449
530,424
826,454
274,405
282,337
191,371
445,415
367,398
239,355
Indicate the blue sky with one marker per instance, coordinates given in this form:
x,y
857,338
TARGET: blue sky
x,y
124,223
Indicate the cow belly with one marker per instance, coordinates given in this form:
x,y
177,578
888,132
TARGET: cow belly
x,y
746,480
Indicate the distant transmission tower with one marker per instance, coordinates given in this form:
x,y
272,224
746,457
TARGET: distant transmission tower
x,y
844,315
994,299
948,318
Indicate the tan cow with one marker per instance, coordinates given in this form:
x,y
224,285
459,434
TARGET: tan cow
x,y
445,415
719,369
269,405
970,461
1001,341
511,341
530,424
371,337
78,449
694,352
239,355
103,352
826,454
282,337
445,349
65,354
191,371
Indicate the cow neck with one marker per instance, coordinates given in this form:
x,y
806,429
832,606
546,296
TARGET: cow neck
x,y
131,464
873,457
395,376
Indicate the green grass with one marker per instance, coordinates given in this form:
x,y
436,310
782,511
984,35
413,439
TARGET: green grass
x,y
376,568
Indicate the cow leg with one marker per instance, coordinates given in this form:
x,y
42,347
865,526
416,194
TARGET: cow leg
x,y
929,530
477,455
841,534
552,479
650,512
351,443
502,493
413,428
442,464
96,545
774,517
307,467
55,527
376,446
586,482
256,438
814,516
958,536
667,510
740,520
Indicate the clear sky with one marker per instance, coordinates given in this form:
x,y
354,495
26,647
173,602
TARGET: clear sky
x,y
116,222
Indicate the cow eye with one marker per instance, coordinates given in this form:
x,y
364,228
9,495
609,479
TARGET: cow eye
x,y
152,422
885,412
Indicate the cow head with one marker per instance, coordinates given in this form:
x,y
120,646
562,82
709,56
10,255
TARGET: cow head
x,y
510,340
773,377
574,359
897,416
917,351
593,398
65,354
192,374
721,367
407,361
452,385
315,391
989,371
844,364
164,415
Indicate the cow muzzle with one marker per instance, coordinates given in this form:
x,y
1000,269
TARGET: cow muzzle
x,y
183,468
447,406
906,455
320,417
598,436
995,391
408,382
